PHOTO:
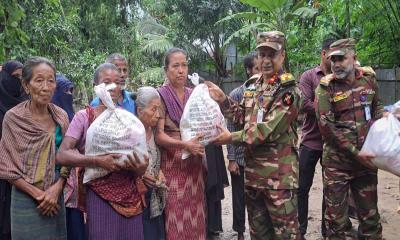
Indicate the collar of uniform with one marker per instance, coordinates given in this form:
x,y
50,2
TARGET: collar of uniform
x,y
271,80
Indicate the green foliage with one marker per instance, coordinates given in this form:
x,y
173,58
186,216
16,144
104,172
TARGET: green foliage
x,y
12,37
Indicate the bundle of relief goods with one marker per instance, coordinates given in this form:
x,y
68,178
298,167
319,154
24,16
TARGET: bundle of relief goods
x,y
383,141
201,115
114,131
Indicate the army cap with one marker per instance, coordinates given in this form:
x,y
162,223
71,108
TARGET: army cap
x,y
341,47
272,39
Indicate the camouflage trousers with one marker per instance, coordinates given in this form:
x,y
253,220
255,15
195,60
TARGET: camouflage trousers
x,y
363,186
272,214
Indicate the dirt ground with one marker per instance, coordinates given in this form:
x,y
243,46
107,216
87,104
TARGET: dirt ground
x,y
388,197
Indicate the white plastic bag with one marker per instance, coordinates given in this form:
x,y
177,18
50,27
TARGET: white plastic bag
x,y
114,131
383,140
201,115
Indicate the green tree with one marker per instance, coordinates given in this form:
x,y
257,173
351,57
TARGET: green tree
x,y
271,15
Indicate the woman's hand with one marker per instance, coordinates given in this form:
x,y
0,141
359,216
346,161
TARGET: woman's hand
x,y
195,147
152,182
233,168
135,164
48,200
149,180
108,162
215,92
161,177
225,137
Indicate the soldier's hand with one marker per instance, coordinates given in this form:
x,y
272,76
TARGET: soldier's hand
x,y
366,159
215,92
233,167
224,137
385,114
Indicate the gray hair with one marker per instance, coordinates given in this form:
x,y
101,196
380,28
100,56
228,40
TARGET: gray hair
x,y
115,57
102,67
31,63
144,95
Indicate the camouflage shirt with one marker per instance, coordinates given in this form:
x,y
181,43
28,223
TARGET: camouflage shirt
x,y
268,114
345,113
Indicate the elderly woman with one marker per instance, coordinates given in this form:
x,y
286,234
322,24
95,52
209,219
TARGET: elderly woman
x,y
115,202
185,206
32,132
148,103
11,94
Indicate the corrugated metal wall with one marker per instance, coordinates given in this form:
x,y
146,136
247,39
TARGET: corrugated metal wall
x,y
389,85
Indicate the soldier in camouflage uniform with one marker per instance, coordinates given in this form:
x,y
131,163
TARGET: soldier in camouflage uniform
x,y
347,103
267,114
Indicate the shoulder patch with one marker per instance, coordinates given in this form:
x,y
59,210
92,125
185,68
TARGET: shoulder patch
x,y
326,80
287,78
288,98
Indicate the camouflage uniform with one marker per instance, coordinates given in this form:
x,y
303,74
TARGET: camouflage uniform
x,y
268,114
345,113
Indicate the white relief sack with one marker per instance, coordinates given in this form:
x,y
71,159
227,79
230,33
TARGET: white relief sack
x,y
200,116
383,140
114,131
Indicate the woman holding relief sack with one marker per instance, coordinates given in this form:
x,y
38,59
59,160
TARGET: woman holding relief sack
x,y
185,202
114,202
148,102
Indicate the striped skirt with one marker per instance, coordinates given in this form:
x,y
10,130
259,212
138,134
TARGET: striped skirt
x,y
104,223
27,222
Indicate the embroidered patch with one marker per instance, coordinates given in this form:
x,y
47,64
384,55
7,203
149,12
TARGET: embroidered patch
x,y
367,92
287,99
363,98
340,96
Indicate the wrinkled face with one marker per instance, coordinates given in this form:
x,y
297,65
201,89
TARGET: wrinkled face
x,y
42,85
17,73
271,61
150,114
177,70
123,70
343,66
109,76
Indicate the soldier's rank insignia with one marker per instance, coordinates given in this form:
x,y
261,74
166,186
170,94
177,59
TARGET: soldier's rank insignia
x,y
286,77
248,94
287,99
325,81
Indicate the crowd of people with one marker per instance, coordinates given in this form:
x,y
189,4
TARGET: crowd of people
x,y
42,152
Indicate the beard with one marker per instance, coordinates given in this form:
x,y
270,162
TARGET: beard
x,y
342,74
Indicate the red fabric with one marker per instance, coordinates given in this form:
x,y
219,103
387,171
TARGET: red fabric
x,y
122,190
